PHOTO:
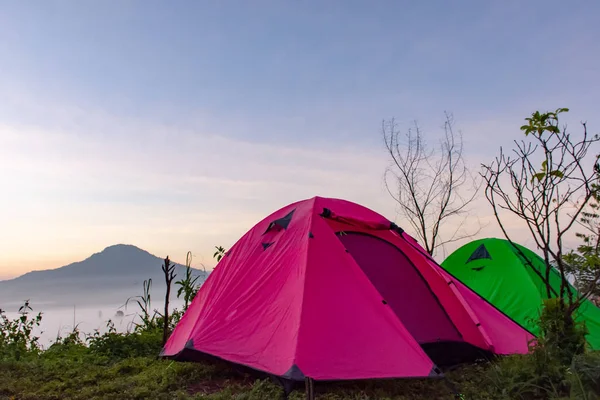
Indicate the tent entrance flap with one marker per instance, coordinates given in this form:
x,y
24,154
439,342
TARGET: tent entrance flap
x,y
402,286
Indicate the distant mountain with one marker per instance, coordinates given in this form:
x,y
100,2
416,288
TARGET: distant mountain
x,y
107,277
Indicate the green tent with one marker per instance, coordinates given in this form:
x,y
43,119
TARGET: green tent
x,y
496,271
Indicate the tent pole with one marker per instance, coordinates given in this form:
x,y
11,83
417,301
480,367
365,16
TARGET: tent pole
x,y
310,388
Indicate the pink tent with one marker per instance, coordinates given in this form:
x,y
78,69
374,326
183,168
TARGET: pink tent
x,y
329,290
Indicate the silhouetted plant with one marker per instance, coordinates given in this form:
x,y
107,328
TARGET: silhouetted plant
x,y
169,271
144,302
219,253
72,338
431,184
187,285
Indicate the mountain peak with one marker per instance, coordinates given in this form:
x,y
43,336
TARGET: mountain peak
x,y
119,267
122,248
121,259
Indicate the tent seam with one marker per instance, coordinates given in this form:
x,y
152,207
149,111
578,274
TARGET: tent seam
x,y
305,269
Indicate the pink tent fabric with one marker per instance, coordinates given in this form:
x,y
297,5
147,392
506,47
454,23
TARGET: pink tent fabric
x,y
328,289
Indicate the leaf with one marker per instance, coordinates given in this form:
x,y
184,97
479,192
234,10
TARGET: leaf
x,y
557,173
553,129
528,129
539,176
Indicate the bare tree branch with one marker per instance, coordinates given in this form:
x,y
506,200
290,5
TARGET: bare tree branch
x,y
430,184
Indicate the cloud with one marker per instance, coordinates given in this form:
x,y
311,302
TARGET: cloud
x,y
76,189
87,179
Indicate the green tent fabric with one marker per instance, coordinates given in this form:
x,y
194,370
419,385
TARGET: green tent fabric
x,y
496,271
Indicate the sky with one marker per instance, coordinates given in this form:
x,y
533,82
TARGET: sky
x,y
177,126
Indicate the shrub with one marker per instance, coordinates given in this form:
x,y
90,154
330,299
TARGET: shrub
x,y
561,337
123,345
16,336
555,363
584,376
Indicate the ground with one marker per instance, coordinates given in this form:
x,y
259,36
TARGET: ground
x,y
124,367
90,378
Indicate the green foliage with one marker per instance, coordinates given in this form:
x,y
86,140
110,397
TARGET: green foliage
x,y
16,336
144,302
151,320
73,338
526,377
72,376
125,366
584,376
187,285
556,365
540,123
94,378
561,337
544,172
123,345
113,367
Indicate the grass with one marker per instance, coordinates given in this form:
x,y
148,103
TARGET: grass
x,y
72,372
124,366
75,372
